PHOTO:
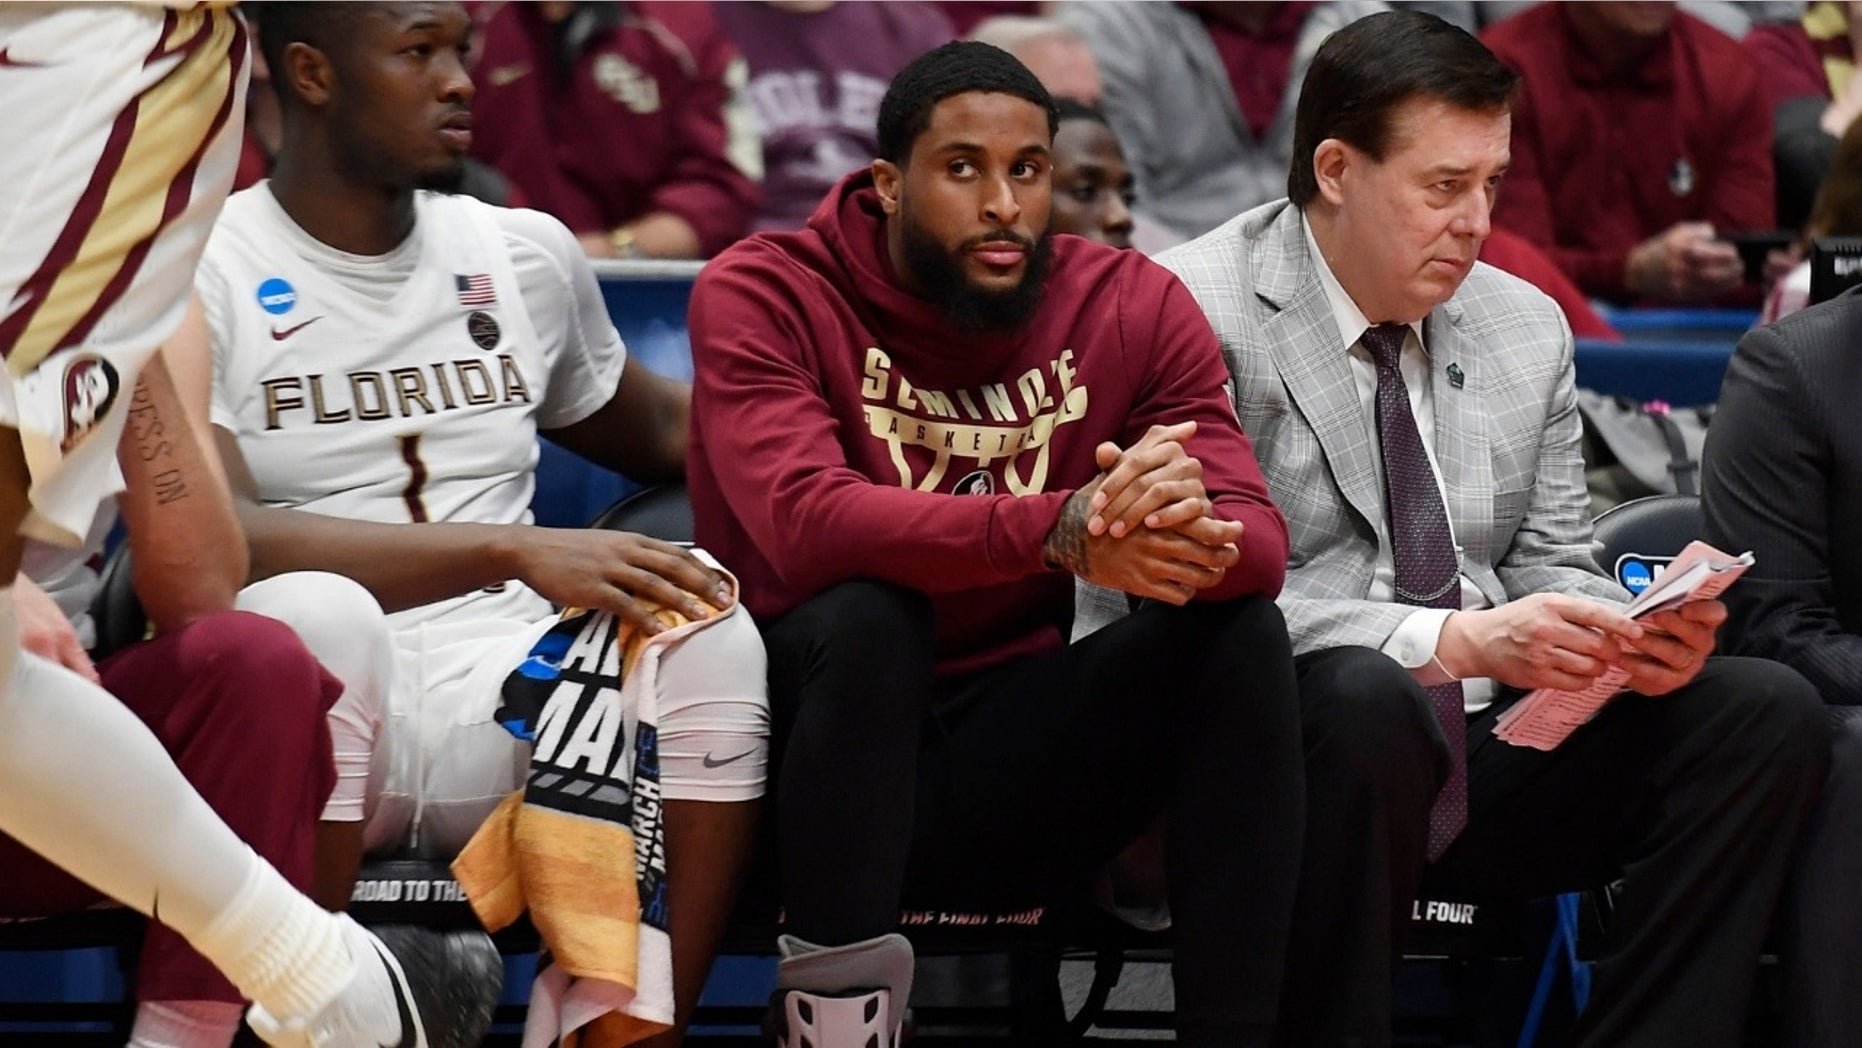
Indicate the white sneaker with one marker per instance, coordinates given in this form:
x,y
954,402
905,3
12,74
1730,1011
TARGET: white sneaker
x,y
412,988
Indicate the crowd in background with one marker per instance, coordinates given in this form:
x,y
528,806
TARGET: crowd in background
x,y
1635,154
1650,139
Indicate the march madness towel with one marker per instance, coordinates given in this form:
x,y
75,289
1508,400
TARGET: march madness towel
x,y
582,846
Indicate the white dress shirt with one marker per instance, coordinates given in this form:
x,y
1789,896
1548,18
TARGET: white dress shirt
x,y
1412,643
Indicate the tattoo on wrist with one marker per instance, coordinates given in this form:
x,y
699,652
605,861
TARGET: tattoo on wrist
x,y
1066,544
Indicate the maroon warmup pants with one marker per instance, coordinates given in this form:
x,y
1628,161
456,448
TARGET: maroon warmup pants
x,y
239,703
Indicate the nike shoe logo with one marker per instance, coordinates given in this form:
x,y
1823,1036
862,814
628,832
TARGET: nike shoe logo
x,y
280,335
7,59
402,1006
713,762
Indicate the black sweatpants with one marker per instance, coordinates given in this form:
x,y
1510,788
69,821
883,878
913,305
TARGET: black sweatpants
x,y
1695,799
1006,787
1821,919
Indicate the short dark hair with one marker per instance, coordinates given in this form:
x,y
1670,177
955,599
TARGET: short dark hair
x,y
956,68
281,23
1365,71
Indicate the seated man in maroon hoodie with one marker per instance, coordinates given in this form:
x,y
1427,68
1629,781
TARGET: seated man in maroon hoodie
x,y
915,423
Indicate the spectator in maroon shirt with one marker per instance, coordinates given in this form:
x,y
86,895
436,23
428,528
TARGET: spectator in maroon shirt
x,y
1515,254
1640,134
624,120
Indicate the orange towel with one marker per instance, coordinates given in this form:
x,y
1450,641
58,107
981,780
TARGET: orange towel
x,y
582,846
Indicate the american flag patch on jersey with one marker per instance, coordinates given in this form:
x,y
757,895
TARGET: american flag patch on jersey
x,y
475,289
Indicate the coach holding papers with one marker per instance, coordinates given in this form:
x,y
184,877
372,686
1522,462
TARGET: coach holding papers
x,y
1413,412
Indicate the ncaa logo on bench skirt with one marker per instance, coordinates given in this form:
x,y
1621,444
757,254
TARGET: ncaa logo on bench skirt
x,y
1635,571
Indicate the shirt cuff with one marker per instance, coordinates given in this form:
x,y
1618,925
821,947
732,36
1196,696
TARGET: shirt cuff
x,y
1412,645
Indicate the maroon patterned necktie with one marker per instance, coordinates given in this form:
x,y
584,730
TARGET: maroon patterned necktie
x,y
1427,573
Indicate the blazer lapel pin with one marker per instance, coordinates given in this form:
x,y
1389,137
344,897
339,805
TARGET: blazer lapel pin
x,y
1456,377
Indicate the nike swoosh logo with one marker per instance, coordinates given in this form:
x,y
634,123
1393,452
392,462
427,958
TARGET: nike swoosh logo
x,y
507,74
7,59
711,762
280,336
402,1006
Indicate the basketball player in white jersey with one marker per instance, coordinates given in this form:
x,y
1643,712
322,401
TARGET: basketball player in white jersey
x,y
122,134
384,357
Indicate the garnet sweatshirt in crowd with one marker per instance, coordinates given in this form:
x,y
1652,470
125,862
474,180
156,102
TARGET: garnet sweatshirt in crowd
x,y
844,429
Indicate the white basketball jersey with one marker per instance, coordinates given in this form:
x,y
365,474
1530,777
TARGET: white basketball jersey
x,y
410,387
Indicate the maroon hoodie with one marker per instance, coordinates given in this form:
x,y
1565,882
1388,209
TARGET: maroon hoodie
x,y
843,429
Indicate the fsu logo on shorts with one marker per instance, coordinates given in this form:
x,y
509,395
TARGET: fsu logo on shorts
x,y
91,386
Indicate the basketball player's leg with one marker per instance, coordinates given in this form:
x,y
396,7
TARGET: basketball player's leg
x,y
713,728
344,628
714,759
85,784
262,766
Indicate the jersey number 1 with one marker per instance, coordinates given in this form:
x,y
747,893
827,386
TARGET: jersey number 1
x,y
416,478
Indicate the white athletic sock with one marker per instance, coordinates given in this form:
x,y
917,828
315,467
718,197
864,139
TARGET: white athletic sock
x,y
185,1024
277,947
85,784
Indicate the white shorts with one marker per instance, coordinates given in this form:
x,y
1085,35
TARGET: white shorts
x,y
441,760
123,131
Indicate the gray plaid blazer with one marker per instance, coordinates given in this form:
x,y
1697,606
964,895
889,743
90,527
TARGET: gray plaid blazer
x,y
1506,433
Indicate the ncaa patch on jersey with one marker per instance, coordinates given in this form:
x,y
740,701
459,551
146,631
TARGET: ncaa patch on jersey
x,y
277,296
483,327
91,386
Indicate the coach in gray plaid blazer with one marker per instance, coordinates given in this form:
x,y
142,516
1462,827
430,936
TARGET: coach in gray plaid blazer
x,y
1692,787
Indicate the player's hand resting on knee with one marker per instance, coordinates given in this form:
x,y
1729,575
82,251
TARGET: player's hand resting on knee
x,y
617,571
1547,640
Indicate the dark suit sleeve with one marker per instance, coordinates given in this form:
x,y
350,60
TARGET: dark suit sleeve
x,y
1767,473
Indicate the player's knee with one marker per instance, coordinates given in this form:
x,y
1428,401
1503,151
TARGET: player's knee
x,y
263,678
853,641
850,617
714,714
1361,712
330,612
1252,621
1772,710
339,620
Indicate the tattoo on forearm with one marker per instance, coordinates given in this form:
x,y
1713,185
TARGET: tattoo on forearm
x,y
1066,544
150,435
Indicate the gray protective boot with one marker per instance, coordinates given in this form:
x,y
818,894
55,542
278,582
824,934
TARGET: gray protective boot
x,y
851,996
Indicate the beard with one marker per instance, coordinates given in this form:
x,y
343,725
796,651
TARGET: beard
x,y
446,178
972,309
